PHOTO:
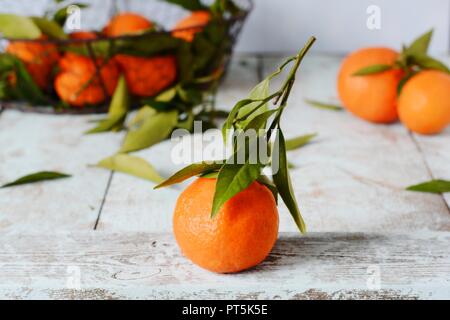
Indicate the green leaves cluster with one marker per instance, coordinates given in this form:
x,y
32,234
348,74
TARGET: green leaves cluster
x,y
260,111
411,60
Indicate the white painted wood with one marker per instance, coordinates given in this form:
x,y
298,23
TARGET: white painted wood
x,y
352,178
31,143
132,204
148,266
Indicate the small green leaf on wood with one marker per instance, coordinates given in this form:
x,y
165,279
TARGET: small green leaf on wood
x,y
190,171
300,141
18,27
131,165
37,177
374,69
433,186
323,105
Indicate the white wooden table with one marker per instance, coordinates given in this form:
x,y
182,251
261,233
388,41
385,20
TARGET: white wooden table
x,y
106,235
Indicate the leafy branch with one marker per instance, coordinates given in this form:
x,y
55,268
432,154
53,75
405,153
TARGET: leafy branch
x,y
254,114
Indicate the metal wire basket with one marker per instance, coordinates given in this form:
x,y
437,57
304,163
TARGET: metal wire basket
x,y
155,42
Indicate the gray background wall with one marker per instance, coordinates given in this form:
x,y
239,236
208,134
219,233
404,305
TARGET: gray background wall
x,y
284,25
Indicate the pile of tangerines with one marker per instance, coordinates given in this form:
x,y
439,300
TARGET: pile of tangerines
x,y
382,85
80,80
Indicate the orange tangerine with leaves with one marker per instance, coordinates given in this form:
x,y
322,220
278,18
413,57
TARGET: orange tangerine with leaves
x,y
371,97
239,237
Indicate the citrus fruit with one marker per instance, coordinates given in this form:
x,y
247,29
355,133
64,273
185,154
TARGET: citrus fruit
x,y
83,35
147,76
38,58
371,97
424,102
78,84
126,23
240,236
193,24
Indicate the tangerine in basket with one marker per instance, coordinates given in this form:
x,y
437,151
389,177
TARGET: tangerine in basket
x,y
240,236
193,24
424,102
370,97
78,84
38,58
126,23
147,76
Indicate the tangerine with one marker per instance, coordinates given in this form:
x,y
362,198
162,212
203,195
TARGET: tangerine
x,y
38,58
78,84
126,23
193,24
371,97
240,236
424,102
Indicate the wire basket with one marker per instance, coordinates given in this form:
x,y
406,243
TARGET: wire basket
x,y
197,69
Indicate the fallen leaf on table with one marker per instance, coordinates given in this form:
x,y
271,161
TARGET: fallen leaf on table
x,y
36,177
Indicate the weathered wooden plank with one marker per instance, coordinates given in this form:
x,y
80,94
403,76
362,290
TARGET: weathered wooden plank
x,y
131,204
352,178
31,143
103,265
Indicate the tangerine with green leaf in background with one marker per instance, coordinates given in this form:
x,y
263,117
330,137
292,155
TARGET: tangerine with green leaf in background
x,y
372,97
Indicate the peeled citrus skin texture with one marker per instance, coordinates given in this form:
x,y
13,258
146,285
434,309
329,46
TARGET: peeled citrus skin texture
x,y
370,97
39,59
196,19
424,102
126,23
240,236
148,76
77,83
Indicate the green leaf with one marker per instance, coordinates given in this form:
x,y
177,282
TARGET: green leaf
x,y
25,88
232,179
141,115
263,179
191,5
322,105
433,186
108,124
190,171
260,92
210,175
229,122
147,44
152,131
283,182
427,62
18,27
300,141
420,45
118,109
260,121
376,68
37,177
131,165
50,28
